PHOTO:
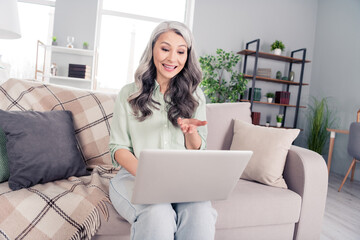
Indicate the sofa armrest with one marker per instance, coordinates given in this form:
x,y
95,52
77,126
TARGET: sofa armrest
x,y
306,174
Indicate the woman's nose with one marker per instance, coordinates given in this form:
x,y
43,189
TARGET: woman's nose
x,y
172,56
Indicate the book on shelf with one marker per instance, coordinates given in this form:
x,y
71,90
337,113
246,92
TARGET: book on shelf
x,y
82,66
79,71
282,97
80,75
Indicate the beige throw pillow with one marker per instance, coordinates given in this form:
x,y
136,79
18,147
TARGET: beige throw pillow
x,y
270,147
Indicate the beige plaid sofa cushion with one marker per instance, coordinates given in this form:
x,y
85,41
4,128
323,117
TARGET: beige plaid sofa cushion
x,y
92,112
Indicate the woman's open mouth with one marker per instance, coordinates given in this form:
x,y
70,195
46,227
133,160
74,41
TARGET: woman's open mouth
x,y
169,67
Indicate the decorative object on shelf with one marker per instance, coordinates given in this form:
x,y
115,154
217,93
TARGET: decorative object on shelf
x,y
53,69
270,96
85,45
278,75
264,72
279,119
291,76
268,120
79,71
277,47
54,42
320,117
255,116
282,97
284,78
257,94
70,41
215,86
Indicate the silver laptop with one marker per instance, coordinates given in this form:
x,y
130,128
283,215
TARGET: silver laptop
x,y
172,176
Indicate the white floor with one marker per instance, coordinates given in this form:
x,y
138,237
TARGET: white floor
x,y
342,212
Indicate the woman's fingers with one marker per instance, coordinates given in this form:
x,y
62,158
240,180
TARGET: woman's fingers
x,y
189,125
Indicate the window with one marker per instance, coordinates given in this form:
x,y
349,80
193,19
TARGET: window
x,y
36,23
125,28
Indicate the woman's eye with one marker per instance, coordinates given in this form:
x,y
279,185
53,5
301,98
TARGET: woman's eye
x,y
181,52
165,49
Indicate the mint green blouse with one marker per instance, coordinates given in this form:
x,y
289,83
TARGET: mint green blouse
x,y
156,132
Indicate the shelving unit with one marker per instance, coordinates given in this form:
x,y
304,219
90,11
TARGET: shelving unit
x,y
257,54
43,72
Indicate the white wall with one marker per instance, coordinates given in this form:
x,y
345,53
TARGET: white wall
x,y
336,69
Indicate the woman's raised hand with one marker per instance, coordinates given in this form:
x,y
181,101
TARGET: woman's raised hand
x,y
189,125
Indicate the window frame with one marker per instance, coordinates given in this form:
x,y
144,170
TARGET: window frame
x,y
189,17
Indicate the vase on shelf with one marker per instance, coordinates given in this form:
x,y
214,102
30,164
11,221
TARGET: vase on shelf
x,y
277,51
70,41
291,76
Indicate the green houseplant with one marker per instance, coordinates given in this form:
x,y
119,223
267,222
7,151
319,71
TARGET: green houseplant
x,y
277,47
85,45
320,117
279,119
54,41
215,69
270,96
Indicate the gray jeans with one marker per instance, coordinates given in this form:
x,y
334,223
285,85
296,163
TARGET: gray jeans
x,y
181,221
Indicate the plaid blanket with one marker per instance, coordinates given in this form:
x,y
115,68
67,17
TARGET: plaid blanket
x,y
69,208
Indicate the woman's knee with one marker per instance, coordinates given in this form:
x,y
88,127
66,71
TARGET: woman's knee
x,y
197,211
157,221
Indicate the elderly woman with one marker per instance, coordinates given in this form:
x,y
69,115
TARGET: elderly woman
x,y
163,109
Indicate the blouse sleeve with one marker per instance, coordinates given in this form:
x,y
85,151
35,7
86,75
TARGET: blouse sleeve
x,y
119,133
200,114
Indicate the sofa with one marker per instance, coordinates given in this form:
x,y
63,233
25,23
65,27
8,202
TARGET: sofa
x,y
253,211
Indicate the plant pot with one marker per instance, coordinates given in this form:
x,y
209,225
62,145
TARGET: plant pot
x,y
278,124
277,51
54,43
269,100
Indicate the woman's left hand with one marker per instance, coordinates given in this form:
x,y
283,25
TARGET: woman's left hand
x,y
189,125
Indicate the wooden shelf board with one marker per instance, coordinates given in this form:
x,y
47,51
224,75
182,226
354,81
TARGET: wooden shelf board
x,y
274,80
70,78
279,127
275,104
272,56
76,51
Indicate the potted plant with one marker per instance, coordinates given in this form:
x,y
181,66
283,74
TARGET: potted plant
x,y
268,120
279,119
85,45
54,43
215,69
270,96
277,47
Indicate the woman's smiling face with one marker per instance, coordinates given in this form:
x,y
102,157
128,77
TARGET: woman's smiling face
x,y
169,55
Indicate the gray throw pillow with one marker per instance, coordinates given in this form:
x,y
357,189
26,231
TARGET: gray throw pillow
x,y
4,166
41,147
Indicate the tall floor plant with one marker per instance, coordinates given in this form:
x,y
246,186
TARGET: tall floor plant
x,y
320,117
